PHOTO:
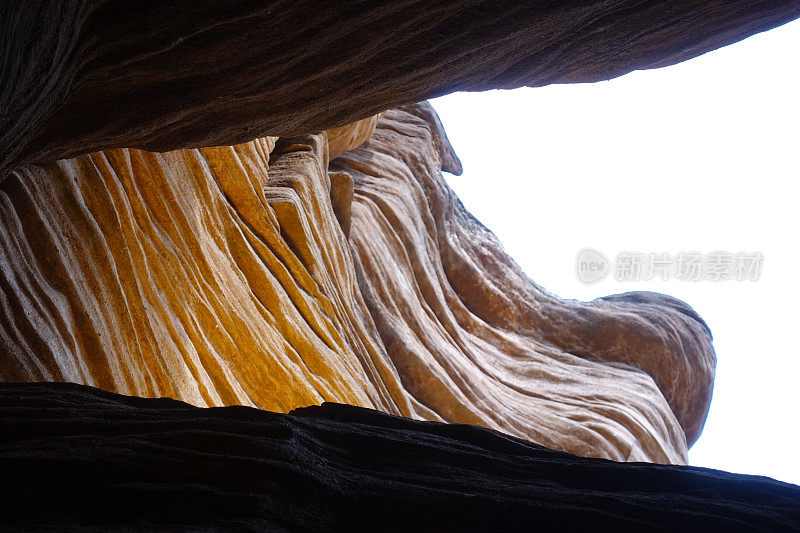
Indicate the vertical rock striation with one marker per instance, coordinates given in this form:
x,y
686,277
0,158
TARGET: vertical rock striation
x,y
225,275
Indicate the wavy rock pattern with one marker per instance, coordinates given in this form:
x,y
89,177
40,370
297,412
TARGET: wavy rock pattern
x,y
223,276
192,274
75,74
474,337
78,458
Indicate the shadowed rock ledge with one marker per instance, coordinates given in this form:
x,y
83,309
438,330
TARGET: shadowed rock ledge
x,y
85,75
76,457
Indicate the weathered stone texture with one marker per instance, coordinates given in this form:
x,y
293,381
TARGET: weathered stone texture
x,y
78,458
295,243
85,75
225,276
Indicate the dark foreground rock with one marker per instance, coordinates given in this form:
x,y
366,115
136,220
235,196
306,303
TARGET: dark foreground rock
x,y
73,456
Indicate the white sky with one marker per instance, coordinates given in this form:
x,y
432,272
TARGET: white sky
x,y
701,156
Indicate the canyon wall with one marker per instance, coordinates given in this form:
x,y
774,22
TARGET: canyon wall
x,y
240,204
265,275
80,76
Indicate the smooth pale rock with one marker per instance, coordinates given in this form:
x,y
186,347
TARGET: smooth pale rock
x,y
74,458
77,76
224,275
351,136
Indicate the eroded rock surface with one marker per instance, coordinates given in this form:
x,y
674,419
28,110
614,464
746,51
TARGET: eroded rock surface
x,y
74,457
85,75
472,335
225,275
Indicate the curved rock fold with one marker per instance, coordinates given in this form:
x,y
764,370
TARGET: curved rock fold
x,y
225,275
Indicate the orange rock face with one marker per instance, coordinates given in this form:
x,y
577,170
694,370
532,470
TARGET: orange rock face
x,y
264,274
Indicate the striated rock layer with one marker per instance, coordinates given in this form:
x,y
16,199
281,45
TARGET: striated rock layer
x,y
260,274
77,76
77,458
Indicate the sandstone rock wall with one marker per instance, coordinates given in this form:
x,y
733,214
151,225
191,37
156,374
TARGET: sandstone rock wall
x,y
79,76
257,263
193,274
262,274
